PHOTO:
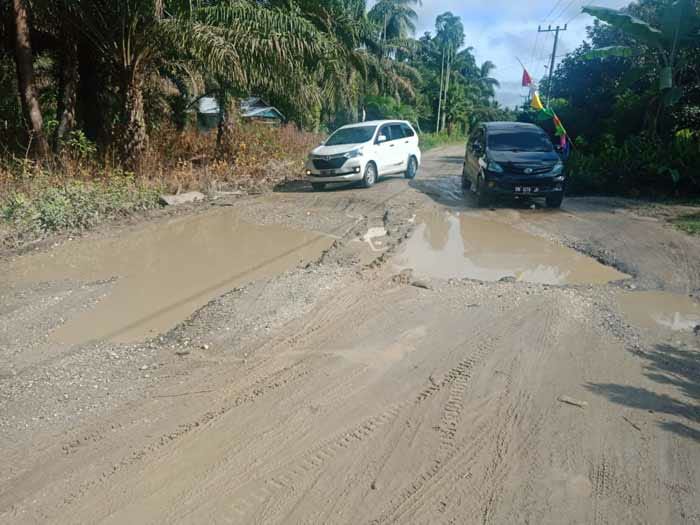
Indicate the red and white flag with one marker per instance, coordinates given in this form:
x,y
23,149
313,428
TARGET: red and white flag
x,y
527,79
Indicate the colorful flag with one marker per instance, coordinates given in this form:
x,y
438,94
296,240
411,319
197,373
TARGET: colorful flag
x,y
527,79
536,102
559,129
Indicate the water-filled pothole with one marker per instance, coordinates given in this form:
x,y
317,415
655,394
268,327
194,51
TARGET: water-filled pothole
x,y
660,309
166,271
449,245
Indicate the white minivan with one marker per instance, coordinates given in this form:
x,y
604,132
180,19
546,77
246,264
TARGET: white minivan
x,y
364,152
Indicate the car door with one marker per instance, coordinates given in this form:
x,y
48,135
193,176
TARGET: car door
x,y
386,151
401,147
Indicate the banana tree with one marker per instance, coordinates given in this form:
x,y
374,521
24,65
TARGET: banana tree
x,y
680,26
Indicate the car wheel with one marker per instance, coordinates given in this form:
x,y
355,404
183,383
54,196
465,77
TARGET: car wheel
x,y
370,176
411,168
555,201
483,199
466,183
318,186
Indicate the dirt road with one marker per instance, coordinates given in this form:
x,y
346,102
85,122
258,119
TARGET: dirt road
x,y
433,364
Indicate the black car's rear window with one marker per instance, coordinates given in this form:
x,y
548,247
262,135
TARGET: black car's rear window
x,y
519,141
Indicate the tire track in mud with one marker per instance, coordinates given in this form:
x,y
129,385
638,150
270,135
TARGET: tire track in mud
x,y
212,480
451,471
287,479
299,471
262,386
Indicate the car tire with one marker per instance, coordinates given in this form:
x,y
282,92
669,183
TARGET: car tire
x,y
318,186
411,168
483,198
370,176
554,201
466,183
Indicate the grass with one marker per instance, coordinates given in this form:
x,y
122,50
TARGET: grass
x,y
688,223
430,141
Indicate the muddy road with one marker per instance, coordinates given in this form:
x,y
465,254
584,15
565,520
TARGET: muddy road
x,y
390,355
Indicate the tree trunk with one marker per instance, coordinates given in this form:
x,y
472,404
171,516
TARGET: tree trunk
x,y
68,92
448,73
39,147
442,73
228,115
133,139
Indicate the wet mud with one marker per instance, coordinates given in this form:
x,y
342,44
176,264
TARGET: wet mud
x,y
164,272
469,245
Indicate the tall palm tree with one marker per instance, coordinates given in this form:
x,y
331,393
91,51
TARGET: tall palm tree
x,y
487,83
450,37
396,18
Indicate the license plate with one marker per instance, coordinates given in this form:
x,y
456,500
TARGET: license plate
x,y
526,189
328,173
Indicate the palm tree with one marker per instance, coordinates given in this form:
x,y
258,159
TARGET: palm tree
x,y
248,45
25,79
450,37
396,18
487,83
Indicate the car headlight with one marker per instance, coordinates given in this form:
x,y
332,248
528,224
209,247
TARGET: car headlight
x,y
558,168
494,167
354,153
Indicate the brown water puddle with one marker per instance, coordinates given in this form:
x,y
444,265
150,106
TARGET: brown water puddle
x,y
166,271
447,245
660,309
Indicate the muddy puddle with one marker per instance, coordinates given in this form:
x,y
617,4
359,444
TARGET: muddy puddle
x,y
452,245
164,272
652,310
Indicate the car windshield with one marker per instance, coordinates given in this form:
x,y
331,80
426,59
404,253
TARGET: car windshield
x,y
519,141
355,135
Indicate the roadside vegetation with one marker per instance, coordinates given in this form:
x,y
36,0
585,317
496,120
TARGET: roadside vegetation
x,y
689,223
631,101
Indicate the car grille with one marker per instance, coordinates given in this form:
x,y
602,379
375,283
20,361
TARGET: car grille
x,y
519,169
329,163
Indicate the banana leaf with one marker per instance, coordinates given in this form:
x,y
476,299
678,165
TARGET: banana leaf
x,y
610,51
631,25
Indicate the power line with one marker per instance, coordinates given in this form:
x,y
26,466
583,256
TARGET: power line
x,y
561,13
552,11
556,32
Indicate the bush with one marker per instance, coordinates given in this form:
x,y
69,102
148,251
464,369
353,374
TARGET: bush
x,y
429,141
75,205
639,165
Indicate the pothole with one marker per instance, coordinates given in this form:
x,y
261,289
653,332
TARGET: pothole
x,y
660,309
452,245
166,271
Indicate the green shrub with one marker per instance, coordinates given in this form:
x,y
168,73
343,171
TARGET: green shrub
x,y
75,205
429,141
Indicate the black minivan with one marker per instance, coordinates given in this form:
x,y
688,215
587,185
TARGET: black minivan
x,y
516,159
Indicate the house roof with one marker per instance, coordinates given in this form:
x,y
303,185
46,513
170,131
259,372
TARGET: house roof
x,y
250,107
270,112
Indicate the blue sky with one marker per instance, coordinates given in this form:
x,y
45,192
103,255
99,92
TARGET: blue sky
x,y
500,30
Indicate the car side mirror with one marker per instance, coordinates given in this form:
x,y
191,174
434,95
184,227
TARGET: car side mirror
x,y
381,139
476,147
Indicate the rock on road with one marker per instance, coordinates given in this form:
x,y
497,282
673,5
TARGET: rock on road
x,y
337,392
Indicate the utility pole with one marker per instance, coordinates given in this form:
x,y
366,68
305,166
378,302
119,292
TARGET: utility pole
x,y
554,53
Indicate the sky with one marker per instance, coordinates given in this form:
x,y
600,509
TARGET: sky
x,y
504,30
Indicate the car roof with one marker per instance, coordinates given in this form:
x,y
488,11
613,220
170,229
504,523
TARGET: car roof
x,y
511,126
374,123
